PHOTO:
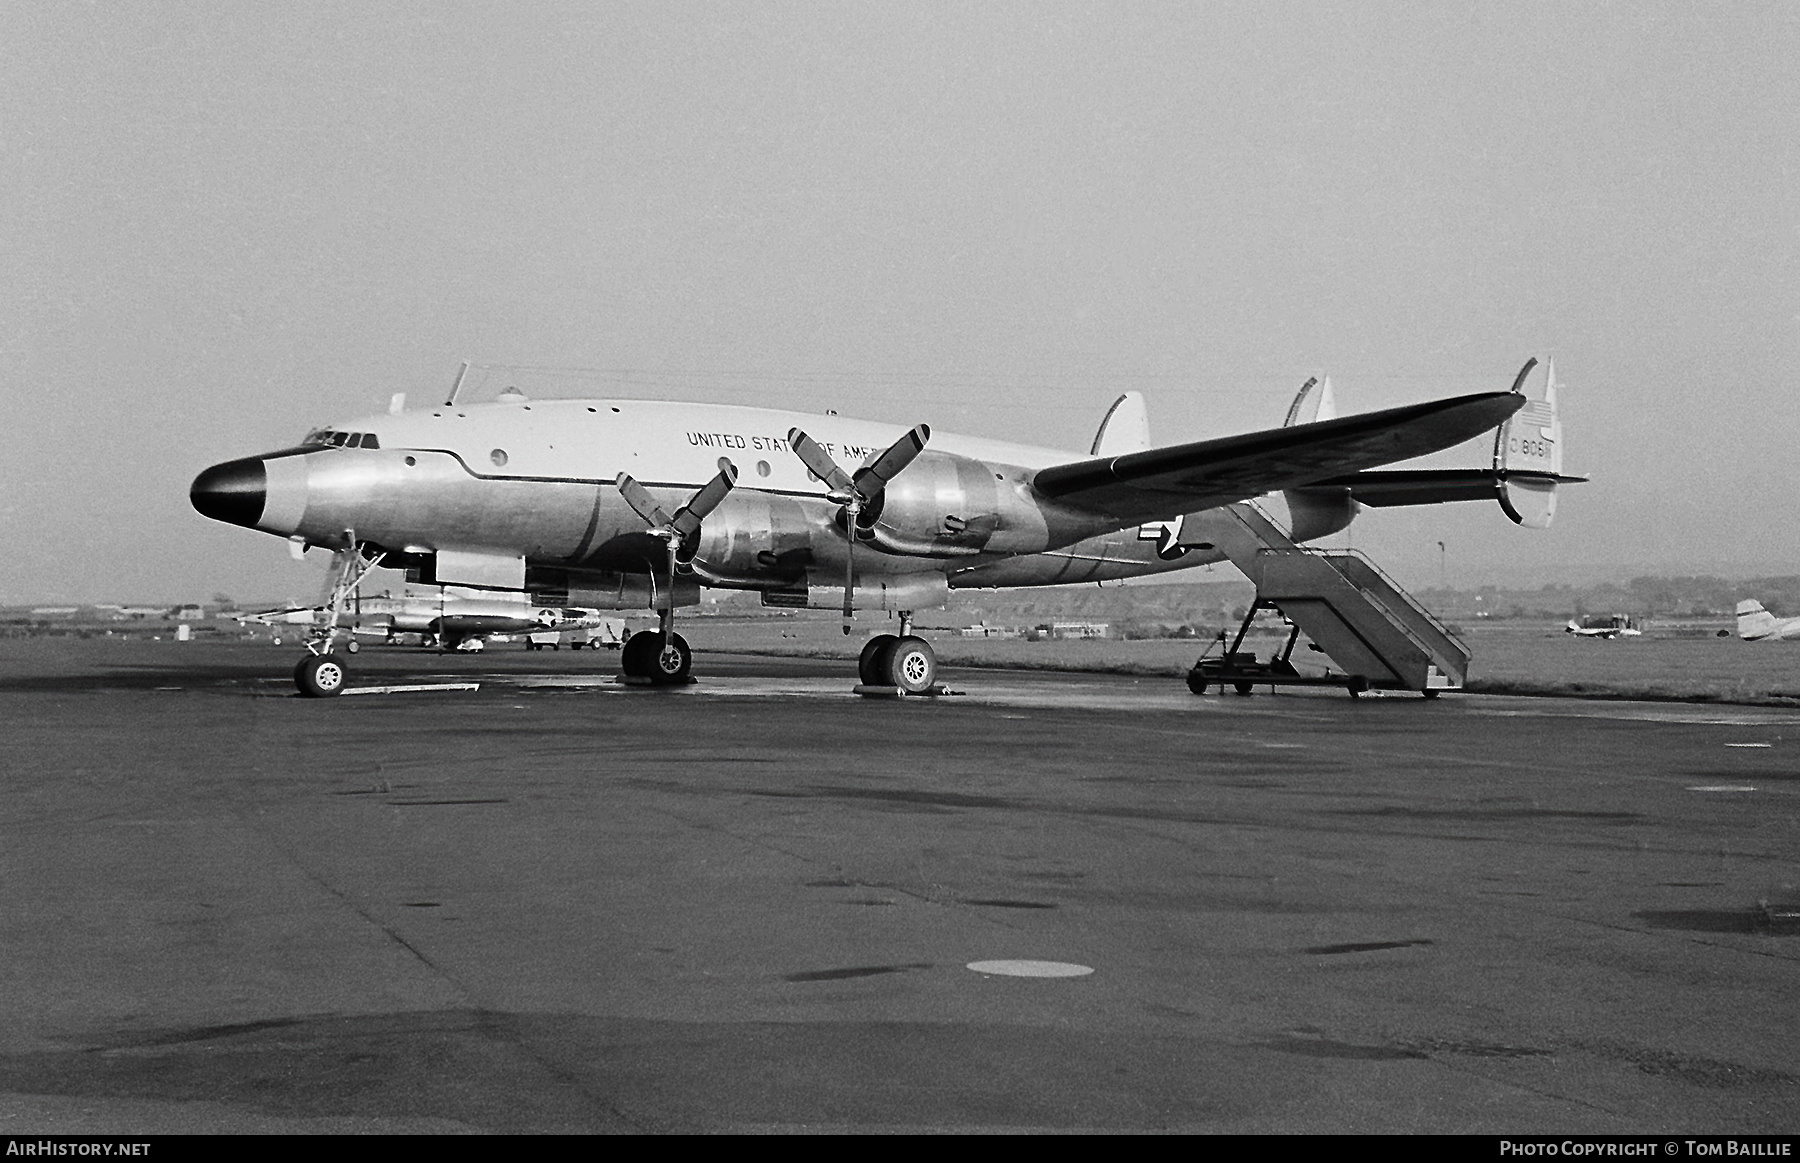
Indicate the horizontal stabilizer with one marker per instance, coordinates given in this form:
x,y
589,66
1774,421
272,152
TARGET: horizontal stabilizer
x,y
1435,486
1186,478
1526,470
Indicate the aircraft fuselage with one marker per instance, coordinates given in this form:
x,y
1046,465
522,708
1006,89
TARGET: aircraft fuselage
x,y
523,496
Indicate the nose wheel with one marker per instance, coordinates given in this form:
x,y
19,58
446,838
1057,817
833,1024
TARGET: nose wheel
x,y
320,676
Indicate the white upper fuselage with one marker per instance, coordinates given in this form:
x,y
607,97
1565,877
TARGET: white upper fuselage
x,y
534,481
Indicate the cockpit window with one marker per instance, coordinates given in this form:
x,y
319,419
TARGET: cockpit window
x,y
326,438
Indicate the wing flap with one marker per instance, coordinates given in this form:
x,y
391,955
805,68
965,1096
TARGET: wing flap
x,y
1185,478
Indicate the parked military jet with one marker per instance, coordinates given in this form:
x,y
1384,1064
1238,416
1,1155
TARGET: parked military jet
x,y
634,504
443,616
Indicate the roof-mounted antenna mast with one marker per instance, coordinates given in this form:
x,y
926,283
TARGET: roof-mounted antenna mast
x,y
457,386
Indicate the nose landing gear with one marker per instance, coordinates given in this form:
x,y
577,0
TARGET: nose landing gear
x,y
321,674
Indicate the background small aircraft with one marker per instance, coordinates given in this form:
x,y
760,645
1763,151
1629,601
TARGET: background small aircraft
x,y
1756,624
1604,626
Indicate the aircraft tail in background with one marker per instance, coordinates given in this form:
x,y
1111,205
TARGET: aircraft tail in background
x,y
1755,624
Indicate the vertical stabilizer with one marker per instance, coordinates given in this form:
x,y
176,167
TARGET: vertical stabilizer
x,y
1315,402
1528,452
1125,429
1314,513
1753,621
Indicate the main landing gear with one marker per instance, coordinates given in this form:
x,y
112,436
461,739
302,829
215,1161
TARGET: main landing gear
x,y
904,661
662,658
901,662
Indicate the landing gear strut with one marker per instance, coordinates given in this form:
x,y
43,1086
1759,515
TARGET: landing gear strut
x,y
661,655
321,674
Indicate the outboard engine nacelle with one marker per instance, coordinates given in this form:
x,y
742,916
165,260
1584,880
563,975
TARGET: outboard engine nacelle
x,y
943,505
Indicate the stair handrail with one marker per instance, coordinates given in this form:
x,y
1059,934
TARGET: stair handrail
x,y
1326,554
1417,605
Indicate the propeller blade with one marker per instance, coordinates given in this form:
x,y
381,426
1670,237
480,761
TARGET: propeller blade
x,y
850,564
686,521
640,500
869,481
818,461
855,492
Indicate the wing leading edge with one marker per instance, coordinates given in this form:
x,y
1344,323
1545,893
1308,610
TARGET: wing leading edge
x,y
1185,478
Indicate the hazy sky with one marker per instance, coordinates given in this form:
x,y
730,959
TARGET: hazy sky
x,y
222,224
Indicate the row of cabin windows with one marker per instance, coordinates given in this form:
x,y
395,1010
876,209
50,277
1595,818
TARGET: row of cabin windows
x,y
330,439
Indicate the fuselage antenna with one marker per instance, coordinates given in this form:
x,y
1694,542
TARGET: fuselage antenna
x,y
457,386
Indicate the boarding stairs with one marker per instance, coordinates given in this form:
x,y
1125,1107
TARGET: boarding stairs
x,y
1370,627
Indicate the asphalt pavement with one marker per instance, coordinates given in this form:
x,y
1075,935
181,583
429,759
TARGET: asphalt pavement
x,y
557,903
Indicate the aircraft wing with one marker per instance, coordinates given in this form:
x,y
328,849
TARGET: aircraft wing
x,y
1184,478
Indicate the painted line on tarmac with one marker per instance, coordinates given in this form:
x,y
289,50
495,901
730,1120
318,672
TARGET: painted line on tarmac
x,y
409,688
1030,968
1598,709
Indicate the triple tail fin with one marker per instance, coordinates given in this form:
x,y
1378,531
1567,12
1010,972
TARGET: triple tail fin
x,y
1528,452
1125,429
1315,402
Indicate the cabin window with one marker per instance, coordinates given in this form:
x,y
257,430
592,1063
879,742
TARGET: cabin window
x,y
498,456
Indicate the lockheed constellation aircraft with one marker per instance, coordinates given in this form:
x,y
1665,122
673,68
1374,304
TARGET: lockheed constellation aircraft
x,y
634,504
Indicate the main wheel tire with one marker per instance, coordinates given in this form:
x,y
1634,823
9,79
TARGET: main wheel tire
x,y
872,668
1244,688
320,676
670,662
1196,683
634,659
911,665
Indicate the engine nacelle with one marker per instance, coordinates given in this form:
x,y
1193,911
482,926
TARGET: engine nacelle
x,y
943,505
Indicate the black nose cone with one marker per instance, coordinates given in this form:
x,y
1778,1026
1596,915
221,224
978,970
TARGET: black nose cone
x,y
233,491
